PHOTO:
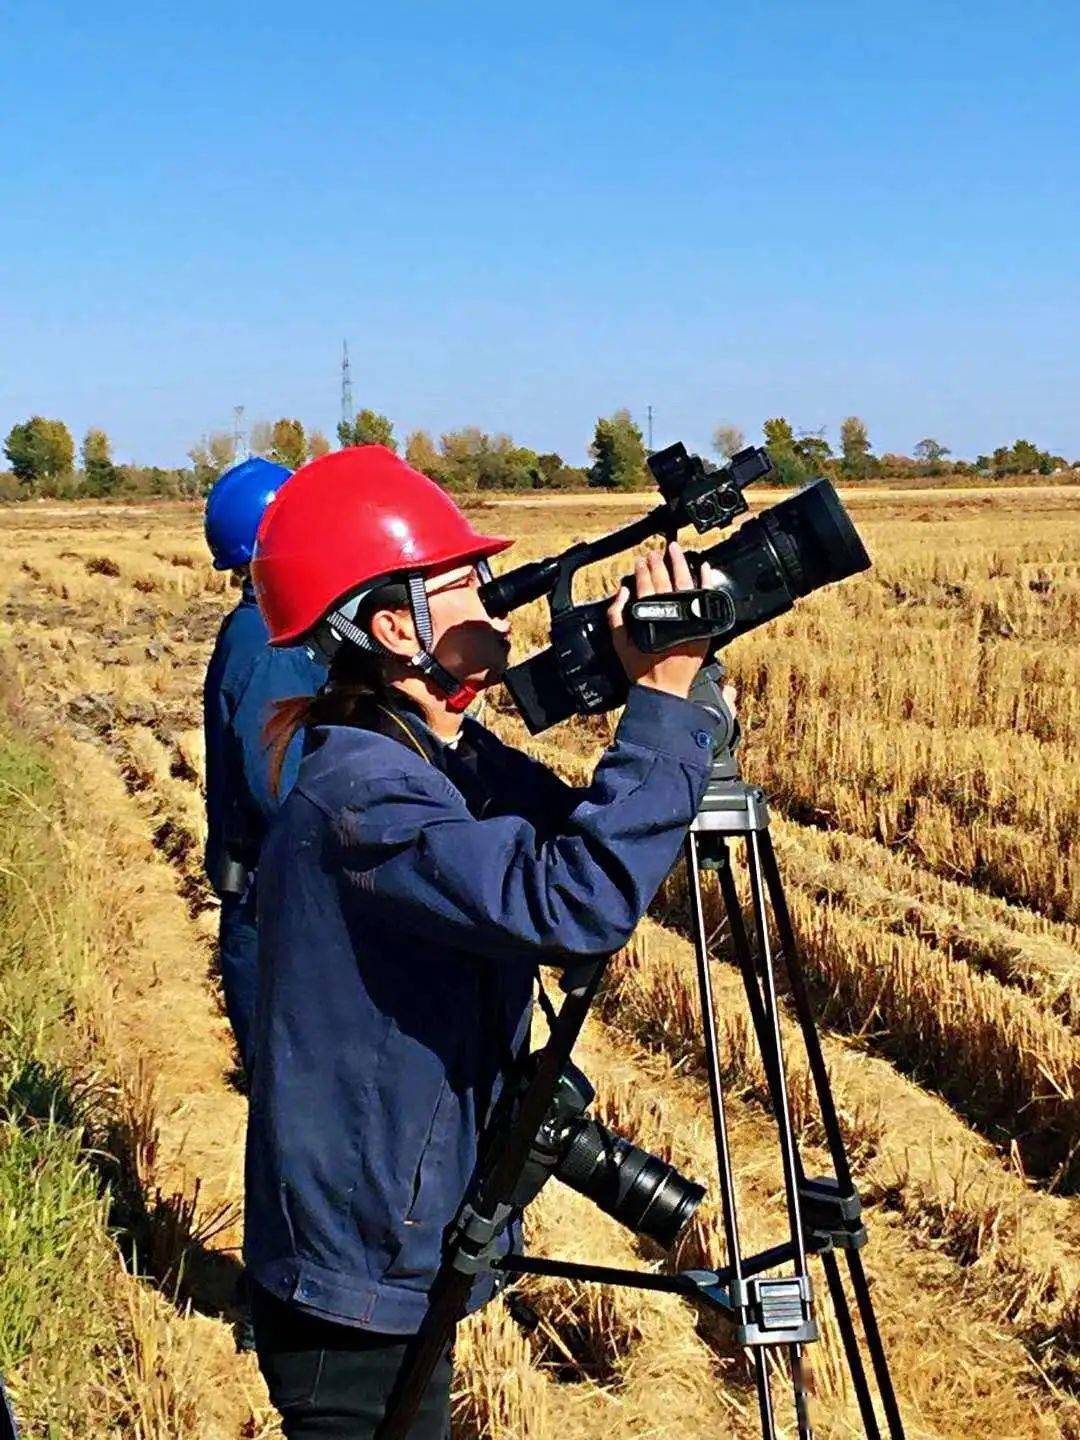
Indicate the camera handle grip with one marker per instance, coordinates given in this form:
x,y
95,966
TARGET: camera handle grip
x,y
659,622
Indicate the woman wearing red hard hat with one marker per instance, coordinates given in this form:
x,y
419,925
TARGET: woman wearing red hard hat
x,y
415,877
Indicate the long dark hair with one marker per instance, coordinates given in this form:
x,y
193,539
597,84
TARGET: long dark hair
x,y
356,683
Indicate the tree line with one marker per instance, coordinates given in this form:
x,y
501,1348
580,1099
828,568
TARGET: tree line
x,y
800,456
41,454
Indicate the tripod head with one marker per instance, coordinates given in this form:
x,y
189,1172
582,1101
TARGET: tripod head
x,y
708,692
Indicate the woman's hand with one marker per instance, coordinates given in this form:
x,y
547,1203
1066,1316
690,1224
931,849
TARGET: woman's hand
x,y
671,670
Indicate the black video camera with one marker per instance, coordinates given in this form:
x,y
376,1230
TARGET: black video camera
x,y
789,550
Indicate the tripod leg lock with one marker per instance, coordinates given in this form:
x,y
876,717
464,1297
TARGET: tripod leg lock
x,y
831,1217
777,1312
474,1239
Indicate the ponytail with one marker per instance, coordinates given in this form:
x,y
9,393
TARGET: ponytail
x,y
287,718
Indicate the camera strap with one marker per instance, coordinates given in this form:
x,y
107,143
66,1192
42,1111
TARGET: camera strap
x,y
550,1013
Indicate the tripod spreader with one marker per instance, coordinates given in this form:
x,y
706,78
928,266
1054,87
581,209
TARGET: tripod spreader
x,y
774,1311
832,1218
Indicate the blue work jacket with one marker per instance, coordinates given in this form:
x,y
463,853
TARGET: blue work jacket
x,y
405,903
244,678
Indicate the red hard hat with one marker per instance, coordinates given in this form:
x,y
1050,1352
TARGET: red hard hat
x,y
345,520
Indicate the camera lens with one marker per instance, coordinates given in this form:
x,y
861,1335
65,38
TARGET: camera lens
x,y
813,536
642,1192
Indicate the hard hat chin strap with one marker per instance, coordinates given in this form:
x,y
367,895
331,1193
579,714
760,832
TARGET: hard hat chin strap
x,y
458,696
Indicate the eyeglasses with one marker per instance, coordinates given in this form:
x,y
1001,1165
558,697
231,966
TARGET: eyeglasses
x,y
473,578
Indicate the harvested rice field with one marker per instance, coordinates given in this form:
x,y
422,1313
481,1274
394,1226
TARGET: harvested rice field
x,y
918,732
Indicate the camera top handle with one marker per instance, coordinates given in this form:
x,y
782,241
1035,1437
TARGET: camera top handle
x,y
694,492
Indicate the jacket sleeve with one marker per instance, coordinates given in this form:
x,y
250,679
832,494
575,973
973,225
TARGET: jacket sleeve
x,y
413,856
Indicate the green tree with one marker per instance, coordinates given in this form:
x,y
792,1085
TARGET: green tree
x,y
288,445
618,452
471,460
778,434
789,464
555,474
317,445
506,466
39,449
461,456
814,451
931,452
1027,458
101,474
421,453
213,454
369,428
60,449
25,449
1023,457
857,461
728,440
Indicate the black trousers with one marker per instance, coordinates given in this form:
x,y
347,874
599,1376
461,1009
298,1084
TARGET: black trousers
x,y
335,1380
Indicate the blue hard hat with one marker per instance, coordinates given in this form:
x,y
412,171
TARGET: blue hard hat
x,y
235,506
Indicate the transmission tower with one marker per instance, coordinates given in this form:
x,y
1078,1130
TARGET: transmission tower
x,y
240,447
346,387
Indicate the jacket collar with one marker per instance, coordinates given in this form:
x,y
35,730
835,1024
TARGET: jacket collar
x,y
461,763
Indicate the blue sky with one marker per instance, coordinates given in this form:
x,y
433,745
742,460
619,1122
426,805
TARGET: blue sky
x,y
523,216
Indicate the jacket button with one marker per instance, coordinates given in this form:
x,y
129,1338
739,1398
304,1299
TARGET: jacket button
x,y
703,739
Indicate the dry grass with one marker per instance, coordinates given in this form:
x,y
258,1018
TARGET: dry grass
x,y
918,728
945,724
1020,948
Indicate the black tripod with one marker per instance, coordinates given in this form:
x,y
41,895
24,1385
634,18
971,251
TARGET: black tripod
x,y
768,1311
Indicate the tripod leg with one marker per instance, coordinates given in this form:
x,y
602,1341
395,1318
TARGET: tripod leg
x,y
837,1151
874,1344
804,1012
781,1104
772,1049
712,1059
851,1345
799,1389
751,983
758,1357
740,943
760,1361
853,1354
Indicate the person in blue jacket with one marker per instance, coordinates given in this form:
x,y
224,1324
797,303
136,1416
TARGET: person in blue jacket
x,y
416,876
244,679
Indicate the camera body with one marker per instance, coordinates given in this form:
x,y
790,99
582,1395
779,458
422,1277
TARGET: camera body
x,y
789,550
